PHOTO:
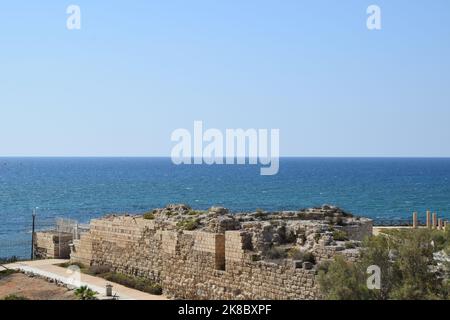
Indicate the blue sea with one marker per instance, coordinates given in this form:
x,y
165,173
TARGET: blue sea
x,y
385,189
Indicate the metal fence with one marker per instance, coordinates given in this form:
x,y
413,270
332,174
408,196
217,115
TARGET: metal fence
x,y
64,225
19,243
392,222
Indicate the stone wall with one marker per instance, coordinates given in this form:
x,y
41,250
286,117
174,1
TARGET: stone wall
x,y
227,256
51,244
82,249
191,264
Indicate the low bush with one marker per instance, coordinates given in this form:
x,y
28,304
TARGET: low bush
x,y
85,293
68,264
149,216
137,283
349,245
275,253
98,270
7,272
409,274
260,213
302,215
189,224
194,213
255,257
324,266
339,235
317,237
14,297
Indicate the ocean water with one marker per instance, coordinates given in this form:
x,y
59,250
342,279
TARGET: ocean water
x,y
385,189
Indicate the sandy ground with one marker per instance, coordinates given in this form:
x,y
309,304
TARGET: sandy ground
x,y
50,269
33,288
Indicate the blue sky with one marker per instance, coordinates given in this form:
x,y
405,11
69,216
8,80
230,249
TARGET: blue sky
x,y
137,70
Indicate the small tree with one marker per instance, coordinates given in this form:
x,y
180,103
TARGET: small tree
x,y
343,281
405,258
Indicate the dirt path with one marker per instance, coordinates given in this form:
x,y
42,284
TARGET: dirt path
x,y
48,269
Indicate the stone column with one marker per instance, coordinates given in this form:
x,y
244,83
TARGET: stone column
x,y
435,221
441,224
415,222
428,219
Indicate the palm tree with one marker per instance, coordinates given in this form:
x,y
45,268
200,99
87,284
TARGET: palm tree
x,y
84,293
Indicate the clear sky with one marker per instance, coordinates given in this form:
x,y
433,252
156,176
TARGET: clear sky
x,y
137,70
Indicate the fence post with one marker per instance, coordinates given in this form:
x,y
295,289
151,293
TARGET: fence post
x,y
32,233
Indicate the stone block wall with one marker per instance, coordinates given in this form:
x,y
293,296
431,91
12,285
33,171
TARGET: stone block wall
x,y
192,264
81,250
50,245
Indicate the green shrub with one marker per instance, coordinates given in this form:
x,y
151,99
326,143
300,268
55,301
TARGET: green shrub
x,y
255,257
195,213
7,272
189,224
14,297
260,213
302,215
341,280
340,235
68,264
317,237
324,266
98,270
440,239
349,245
407,275
137,283
149,216
85,293
275,253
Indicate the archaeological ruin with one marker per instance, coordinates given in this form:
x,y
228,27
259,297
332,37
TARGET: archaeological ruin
x,y
215,254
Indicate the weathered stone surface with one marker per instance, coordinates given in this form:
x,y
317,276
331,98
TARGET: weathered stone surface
x,y
226,256
52,244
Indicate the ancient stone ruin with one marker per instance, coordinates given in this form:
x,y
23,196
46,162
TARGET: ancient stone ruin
x,y
51,244
214,254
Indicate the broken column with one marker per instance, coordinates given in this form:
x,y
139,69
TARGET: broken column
x,y
428,219
415,222
441,224
435,221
